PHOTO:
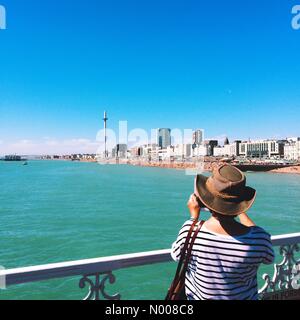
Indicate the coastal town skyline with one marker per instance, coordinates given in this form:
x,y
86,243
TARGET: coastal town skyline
x,y
138,62
53,146
133,139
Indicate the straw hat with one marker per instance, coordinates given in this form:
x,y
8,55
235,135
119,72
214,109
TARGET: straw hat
x,y
225,192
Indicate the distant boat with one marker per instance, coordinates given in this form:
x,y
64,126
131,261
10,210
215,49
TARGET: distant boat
x,y
12,158
25,163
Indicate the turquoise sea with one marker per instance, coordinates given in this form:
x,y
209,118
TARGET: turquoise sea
x,y
59,211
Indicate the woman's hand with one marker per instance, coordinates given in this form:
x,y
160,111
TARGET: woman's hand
x,y
194,207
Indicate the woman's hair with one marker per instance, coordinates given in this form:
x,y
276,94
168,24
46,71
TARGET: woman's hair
x,y
220,216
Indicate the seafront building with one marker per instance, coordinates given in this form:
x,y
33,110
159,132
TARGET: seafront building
x,y
163,137
135,152
205,149
228,150
70,157
183,151
198,137
201,151
292,149
262,149
149,150
179,152
120,151
210,145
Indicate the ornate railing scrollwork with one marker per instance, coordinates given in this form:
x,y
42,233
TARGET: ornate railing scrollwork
x,y
286,273
97,287
95,273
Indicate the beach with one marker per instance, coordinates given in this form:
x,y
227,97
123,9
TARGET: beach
x,y
290,170
206,166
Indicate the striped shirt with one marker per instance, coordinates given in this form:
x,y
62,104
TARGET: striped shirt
x,y
224,267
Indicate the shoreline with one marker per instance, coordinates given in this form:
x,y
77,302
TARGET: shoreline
x,y
207,166
289,170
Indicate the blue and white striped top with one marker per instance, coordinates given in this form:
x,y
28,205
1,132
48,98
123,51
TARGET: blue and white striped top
x,y
224,267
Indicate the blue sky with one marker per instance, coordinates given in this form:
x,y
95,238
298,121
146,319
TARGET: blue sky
x,y
229,67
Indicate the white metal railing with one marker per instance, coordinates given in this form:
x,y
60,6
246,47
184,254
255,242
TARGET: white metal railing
x,y
286,275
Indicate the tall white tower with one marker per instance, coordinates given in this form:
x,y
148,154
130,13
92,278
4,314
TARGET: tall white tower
x,y
105,119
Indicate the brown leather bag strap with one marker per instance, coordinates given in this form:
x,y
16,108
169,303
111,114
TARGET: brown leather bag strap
x,y
184,250
183,262
188,255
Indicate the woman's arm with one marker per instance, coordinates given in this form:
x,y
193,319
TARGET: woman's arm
x,y
194,207
245,220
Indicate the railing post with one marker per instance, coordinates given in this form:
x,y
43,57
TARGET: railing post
x,y
97,286
286,273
